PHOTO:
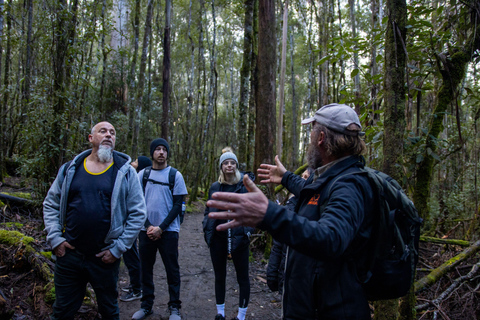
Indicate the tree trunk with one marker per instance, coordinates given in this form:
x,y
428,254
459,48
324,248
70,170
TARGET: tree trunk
x,y
2,105
265,93
28,62
131,78
281,93
394,117
253,86
294,153
140,96
101,103
245,83
166,71
355,53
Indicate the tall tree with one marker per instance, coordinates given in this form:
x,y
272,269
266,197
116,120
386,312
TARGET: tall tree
x,y
166,70
265,93
245,82
131,76
140,96
294,153
2,105
253,86
394,117
281,93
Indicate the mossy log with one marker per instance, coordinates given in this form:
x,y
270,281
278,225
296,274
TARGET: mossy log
x,y
439,272
21,253
299,171
19,202
456,242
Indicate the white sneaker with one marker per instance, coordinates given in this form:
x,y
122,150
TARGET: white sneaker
x,y
174,314
141,314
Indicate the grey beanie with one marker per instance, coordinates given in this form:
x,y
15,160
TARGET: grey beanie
x,y
226,156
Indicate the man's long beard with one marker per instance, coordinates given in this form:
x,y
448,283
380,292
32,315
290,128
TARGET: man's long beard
x,y
313,156
105,153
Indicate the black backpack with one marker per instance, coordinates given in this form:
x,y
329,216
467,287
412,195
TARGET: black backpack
x,y
391,270
170,184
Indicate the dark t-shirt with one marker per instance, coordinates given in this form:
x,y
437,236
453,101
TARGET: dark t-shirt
x,y
89,210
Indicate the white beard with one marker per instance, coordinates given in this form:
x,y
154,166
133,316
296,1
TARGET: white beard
x,y
105,153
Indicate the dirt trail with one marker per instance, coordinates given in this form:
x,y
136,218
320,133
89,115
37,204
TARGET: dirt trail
x,y
197,288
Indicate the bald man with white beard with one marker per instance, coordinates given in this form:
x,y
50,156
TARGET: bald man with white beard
x,y
93,213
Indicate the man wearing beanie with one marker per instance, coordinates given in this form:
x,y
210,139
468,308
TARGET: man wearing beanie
x,y
164,189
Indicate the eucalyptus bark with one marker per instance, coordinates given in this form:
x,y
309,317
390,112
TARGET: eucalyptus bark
x,y
281,93
140,96
253,85
294,152
131,76
245,83
28,56
356,65
394,117
166,71
265,93
2,105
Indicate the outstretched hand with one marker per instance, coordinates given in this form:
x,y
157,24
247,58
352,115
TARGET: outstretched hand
x,y
243,209
271,173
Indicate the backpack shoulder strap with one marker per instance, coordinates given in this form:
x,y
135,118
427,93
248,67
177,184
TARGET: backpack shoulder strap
x,y
146,174
171,178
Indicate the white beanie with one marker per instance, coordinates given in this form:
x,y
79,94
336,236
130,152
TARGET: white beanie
x,y
226,156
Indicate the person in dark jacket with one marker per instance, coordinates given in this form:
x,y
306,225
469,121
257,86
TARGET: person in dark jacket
x,y
230,243
276,262
329,237
131,258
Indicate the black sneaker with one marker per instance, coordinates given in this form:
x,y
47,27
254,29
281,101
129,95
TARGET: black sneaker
x,y
219,317
130,296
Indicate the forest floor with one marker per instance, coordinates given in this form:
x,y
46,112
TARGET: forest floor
x,y
25,295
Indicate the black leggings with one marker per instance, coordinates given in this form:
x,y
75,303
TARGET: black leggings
x,y
218,253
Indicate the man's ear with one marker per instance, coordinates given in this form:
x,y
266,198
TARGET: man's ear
x,y
90,137
321,138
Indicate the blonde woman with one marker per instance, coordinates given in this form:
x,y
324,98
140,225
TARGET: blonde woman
x,y
231,244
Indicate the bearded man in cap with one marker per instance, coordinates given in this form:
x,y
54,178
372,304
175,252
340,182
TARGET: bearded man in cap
x,y
329,235
92,213
160,233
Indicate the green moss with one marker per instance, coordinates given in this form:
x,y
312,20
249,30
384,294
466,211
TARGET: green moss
x,y
13,237
47,254
50,294
2,204
9,225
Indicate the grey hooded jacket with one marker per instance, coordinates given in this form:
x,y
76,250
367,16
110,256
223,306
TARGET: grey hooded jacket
x,y
127,203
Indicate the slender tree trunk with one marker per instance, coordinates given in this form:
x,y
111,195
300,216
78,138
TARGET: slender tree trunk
x,y
28,62
356,65
294,159
283,66
190,97
201,84
131,78
253,85
140,96
101,104
212,94
166,71
3,106
265,93
245,73
394,122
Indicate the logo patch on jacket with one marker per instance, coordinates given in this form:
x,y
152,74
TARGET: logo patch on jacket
x,y
314,200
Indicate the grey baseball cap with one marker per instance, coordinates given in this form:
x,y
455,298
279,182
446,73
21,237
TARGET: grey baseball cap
x,y
337,117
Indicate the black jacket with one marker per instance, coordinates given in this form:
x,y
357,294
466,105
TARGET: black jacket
x,y
276,261
328,243
240,235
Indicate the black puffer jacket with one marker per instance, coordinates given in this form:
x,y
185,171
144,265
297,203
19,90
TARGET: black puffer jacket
x,y
240,235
